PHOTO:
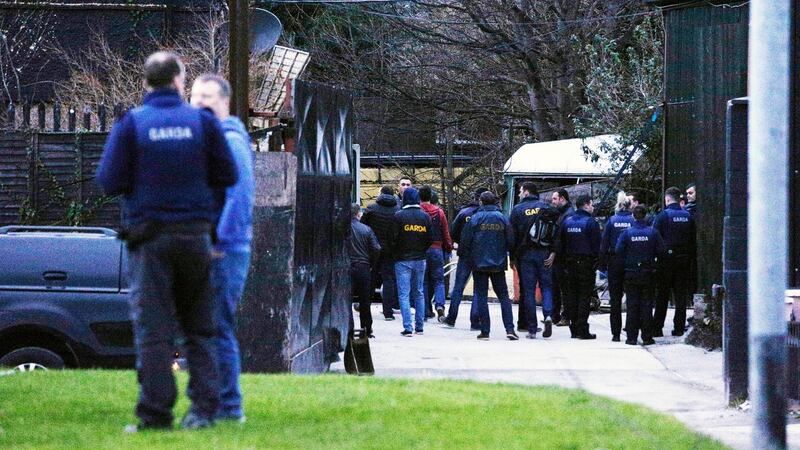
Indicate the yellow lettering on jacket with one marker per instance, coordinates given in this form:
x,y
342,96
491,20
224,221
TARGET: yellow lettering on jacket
x,y
531,211
416,228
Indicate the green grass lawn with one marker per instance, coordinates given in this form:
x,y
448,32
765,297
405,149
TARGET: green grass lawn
x,y
88,409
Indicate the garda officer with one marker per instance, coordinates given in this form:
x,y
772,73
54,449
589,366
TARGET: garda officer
x,y
171,163
676,227
463,267
560,199
638,247
580,244
533,262
614,263
487,240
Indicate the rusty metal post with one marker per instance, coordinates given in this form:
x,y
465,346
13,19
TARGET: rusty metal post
x,y
239,57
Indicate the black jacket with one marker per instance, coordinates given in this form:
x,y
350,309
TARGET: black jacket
x,y
412,234
364,247
379,216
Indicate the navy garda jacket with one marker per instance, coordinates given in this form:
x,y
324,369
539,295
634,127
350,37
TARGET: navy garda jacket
x,y
580,235
487,240
462,218
522,217
618,223
411,230
639,246
677,228
169,161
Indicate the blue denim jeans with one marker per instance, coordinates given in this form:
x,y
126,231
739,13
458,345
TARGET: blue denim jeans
x,y
171,295
463,272
434,274
532,270
410,277
228,277
482,294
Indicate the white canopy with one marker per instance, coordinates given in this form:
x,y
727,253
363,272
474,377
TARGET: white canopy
x,y
563,158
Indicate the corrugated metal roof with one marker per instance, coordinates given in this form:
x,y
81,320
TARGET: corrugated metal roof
x,y
562,158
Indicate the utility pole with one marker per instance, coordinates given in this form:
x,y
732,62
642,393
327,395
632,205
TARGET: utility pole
x,y
239,58
769,90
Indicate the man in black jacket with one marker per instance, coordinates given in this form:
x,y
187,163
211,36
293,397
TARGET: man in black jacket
x,y
379,216
560,200
364,250
412,235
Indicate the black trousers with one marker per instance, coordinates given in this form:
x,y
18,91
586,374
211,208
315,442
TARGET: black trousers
x,y
557,298
639,291
171,296
578,284
673,281
361,282
616,283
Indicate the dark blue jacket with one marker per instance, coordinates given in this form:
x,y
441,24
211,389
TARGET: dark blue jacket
x,y
412,232
618,223
580,235
676,227
169,160
487,240
522,217
639,246
462,218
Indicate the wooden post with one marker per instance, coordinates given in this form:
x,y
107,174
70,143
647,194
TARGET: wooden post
x,y
239,57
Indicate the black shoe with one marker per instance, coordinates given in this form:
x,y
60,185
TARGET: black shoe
x,y
587,336
615,338
448,323
440,314
418,332
194,421
548,328
407,333
629,342
483,337
658,333
677,333
648,341
388,318
530,336
511,336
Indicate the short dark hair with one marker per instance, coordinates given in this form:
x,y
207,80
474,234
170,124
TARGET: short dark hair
x,y
636,196
388,190
530,187
434,198
224,86
488,198
639,212
583,200
673,193
563,194
355,208
690,185
425,193
478,192
161,68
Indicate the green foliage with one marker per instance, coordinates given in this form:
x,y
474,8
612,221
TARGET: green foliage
x,y
88,409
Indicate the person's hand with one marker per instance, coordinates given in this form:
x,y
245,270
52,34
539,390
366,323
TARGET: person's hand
x,y
550,260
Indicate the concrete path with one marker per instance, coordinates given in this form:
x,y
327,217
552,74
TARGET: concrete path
x,y
670,377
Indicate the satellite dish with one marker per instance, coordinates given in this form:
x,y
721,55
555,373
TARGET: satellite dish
x,y
265,30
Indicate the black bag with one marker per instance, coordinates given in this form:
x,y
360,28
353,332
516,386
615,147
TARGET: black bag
x,y
357,357
544,229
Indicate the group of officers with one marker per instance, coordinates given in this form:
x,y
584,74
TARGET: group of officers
x,y
406,240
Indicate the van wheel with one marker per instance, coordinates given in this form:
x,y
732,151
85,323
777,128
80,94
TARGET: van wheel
x,y
28,359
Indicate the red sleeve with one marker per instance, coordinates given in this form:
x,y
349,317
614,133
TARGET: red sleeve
x,y
447,241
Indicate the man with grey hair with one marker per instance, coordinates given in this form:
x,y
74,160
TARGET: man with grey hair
x,y
231,256
168,160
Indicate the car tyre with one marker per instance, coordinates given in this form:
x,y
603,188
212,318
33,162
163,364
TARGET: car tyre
x,y
32,358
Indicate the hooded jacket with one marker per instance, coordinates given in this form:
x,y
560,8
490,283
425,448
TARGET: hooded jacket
x,y
379,216
411,230
487,240
441,230
235,227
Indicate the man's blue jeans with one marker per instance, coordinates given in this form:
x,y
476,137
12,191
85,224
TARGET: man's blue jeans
x,y
434,276
228,277
410,277
532,270
482,299
463,271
